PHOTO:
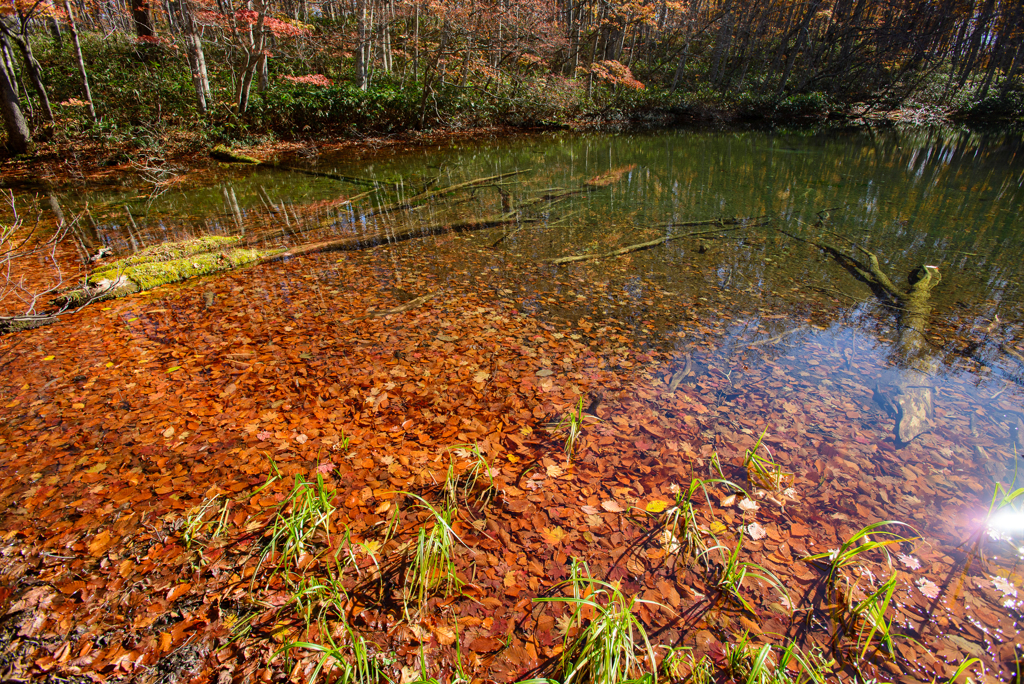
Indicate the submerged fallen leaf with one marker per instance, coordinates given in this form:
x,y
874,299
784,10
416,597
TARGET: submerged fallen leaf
x,y
909,561
756,531
928,588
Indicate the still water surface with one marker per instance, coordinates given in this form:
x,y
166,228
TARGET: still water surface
x,y
776,334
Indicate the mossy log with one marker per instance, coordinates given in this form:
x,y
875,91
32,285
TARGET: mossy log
x,y
172,251
164,264
131,275
222,153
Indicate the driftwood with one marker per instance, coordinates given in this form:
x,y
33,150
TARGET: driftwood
x,y
911,398
722,223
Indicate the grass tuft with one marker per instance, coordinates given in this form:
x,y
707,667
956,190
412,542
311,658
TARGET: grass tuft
x,y
858,545
605,642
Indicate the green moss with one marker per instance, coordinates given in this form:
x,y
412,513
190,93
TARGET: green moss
x,y
222,153
150,274
170,251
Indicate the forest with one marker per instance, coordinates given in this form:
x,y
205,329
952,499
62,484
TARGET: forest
x,y
187,73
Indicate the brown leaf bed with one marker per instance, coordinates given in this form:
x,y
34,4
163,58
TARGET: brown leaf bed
x,y
121,422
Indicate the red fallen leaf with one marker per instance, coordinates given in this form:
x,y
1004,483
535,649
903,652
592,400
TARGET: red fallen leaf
x,y
484,644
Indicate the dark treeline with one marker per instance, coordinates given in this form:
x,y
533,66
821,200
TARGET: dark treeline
x,y
303,67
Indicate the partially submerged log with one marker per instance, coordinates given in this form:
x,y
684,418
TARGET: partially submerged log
x,y
146,270
229,156
175,262
428,194
910,399
358,242
224,154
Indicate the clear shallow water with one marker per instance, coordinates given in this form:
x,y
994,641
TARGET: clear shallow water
x,y
777,335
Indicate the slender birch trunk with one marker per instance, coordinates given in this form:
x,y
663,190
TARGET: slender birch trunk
x,y
73,30
35,72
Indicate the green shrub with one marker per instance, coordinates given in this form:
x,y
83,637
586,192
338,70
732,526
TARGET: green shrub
x,y
1007,106
804,105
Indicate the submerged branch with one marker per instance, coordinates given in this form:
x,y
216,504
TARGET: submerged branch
x,y
778,338
1012,353
722,223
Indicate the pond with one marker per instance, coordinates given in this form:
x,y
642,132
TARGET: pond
x,y
730,335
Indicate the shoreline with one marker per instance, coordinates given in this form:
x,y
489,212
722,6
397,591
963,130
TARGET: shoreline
x,y
92,163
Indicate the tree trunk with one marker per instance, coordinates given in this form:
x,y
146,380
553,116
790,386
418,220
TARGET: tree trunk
x,y
73,29
7,60
143,19
55,31
720,55
18,136
35,72
253,53
801,41
19,139
196,58
362,48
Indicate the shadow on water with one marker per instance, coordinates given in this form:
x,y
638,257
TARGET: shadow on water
x,y
768,333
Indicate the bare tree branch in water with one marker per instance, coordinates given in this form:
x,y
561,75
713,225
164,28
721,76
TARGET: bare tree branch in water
x,y
25,302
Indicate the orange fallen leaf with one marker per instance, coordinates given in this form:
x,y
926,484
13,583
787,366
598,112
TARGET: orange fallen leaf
x,y
100,543
612,506
177,591
553,535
